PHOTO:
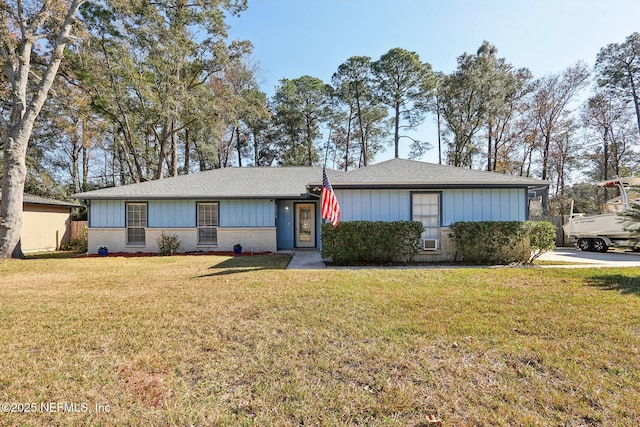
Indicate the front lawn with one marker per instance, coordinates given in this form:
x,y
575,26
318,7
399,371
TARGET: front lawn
x,y
206,340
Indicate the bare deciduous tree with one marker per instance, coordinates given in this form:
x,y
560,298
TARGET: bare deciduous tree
x,y
28,29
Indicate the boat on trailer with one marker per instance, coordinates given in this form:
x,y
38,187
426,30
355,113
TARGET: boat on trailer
x,y
597,233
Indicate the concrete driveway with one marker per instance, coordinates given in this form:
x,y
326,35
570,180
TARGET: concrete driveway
x,y
311,259
612,258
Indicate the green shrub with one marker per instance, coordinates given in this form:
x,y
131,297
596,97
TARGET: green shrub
x,y
168,244
542,237
502,242
80,244
490,242
371,242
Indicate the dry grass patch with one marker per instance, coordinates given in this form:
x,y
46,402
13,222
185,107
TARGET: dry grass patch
x,y
226,341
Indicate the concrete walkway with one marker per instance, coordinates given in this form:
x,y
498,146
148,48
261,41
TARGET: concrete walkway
x,y
306,259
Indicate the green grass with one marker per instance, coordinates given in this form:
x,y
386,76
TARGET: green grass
x,y
203,340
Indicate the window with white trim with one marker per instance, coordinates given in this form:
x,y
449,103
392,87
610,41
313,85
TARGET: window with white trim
x,y
426,209
136,223
207,223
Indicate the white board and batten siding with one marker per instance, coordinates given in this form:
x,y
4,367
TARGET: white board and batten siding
x,y
474,204
182,213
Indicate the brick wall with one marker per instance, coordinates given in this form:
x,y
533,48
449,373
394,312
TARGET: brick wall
x,y
252,239
446,252
114,238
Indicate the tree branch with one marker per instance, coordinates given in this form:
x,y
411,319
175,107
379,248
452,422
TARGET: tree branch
x,y
38,20
56,57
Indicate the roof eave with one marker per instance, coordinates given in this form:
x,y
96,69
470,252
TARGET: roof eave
x,y
434,185
188,197
59,205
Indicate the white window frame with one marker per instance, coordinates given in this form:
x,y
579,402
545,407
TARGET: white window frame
x,y
136,221
208,226
426,207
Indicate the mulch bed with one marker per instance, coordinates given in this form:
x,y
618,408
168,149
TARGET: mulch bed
x,y
151,254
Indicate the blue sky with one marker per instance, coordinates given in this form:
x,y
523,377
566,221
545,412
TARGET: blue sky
x,y
293,38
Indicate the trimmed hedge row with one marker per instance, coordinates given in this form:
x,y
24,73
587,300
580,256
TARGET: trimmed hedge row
x,y
371,242
502,242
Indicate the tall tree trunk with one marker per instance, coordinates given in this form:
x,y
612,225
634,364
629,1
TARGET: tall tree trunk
x,y
14,176
128,140
85,167
84,152
123,123
239,147
545,166
224,161
114,160
346,148
636,101
605,163
162,154
616,153
363,139
123,158
489,144
309,142
439,131
256,154
396,138
25,109
187,151
497,138
122,164
201,161
174,149
76,149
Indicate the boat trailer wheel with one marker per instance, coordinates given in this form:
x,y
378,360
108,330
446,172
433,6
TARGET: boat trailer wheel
x,y
592,245
599,245
585,244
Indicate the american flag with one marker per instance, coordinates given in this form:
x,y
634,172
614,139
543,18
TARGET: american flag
x,y
330,206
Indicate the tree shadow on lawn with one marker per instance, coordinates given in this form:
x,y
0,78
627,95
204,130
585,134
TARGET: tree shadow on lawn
x,y
244,264
616,282
54,255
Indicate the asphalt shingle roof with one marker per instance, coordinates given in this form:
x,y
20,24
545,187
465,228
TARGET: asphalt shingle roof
x,y
291,182
249,182
401,172
37,200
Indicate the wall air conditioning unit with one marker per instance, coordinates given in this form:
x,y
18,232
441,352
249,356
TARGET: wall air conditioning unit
x,y
429,244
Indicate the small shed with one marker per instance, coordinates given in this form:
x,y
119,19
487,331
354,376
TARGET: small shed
x,y
45,223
